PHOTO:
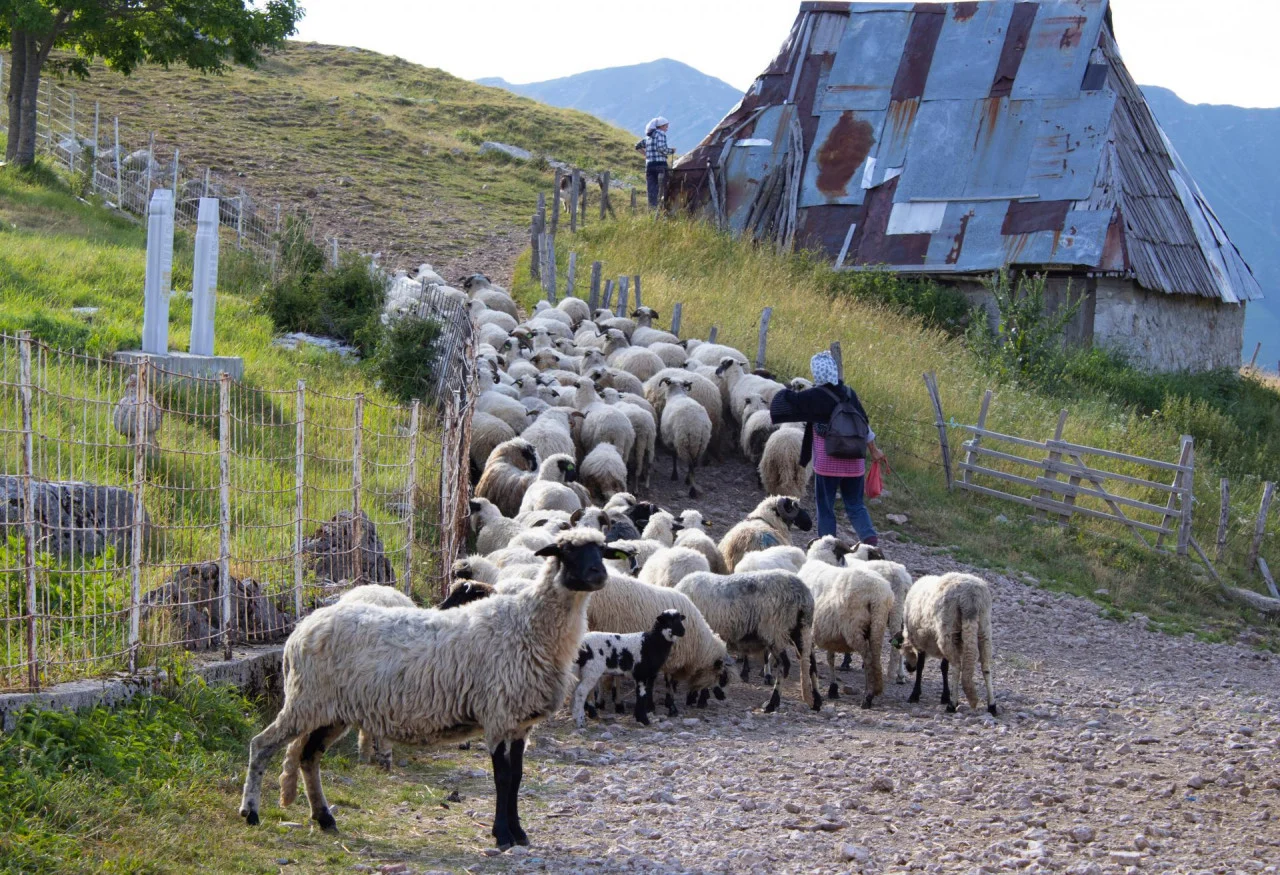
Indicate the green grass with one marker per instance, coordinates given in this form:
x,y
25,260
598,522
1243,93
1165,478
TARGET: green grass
x,y
154,786
383,152
886,350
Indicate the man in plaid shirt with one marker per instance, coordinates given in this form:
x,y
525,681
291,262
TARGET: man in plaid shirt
x,y
656,151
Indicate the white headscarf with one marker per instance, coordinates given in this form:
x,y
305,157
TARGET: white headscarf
x,y
655,123
824,369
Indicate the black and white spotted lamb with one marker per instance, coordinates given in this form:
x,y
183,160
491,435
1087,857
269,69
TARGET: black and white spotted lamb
x,y
638,654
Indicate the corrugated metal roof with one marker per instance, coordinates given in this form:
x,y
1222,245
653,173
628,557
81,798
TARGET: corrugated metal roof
x,y
964,137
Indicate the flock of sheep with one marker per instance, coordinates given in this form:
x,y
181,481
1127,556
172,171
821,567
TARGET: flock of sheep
x,y
573,580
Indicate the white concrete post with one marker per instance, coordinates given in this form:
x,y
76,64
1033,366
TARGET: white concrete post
x,y
204,278
155,318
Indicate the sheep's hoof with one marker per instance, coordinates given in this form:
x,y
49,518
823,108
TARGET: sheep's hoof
x,y
642,718
848,662
505,846
866,703
913,698
745,674
620,708
250,816
589,710
693,492
993,710
521,837
719,694
951,709
899,680
691,698
833,691
466,745
326,821
703,698
774,701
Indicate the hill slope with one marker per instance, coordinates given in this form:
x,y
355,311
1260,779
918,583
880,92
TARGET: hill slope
x,y
1230,151
630,96
381,151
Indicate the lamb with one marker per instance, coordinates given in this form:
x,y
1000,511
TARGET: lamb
x,y
686,429
670,565
639,654
762,610
645,334
780,468
783,558
949,617
604,472
495,667
900,579
491,529
693,535
851,611
699,659
487,431
508,472
766,526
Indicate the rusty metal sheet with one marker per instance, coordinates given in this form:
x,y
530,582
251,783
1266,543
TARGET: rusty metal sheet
x,y
867,61
1025,217
1003,138
837,159
917,54
749,161
824,227
1068,145
827,31
1062,36
1013,49
968,49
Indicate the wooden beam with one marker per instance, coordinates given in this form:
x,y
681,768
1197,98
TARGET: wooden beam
x,y
1260,526
1055,456
1224,516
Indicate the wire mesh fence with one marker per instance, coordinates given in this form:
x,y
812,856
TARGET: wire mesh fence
x,y
148,511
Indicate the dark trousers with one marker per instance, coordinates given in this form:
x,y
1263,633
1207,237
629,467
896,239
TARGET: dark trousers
x,y
655,177
851,490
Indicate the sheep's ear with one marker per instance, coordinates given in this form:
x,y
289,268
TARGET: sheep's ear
x,y
549,551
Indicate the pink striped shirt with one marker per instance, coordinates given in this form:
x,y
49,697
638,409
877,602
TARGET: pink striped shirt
x,y
829,467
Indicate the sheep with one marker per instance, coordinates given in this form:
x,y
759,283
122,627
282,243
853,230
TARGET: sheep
x,y
900,579
602,424
661,527
606,377
762,610
464,592
495,667
475,568
543,311
699,659
508,409
780,468
550,434
713,353
645,334
673,354
554,360
739,384
576,308
494,297
757,427
636,360
670,565
704,391
493,335
487,431
508,472
949,617
766,526
482,315
606,321
692,534
851,611
492,530
799,384
643,423
639,654
686,429
604,472
783,558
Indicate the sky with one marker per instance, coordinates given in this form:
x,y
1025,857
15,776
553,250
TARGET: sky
x,y
1222,51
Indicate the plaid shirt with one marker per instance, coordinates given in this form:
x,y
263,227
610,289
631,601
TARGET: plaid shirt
x,y
655,147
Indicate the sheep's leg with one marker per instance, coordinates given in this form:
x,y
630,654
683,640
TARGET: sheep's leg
x,y
833,691
776,699
848,662
675,463
704,696
502,832
984,653
815,680
915,691
768,667
264,746
585,687
691,698
644,700
745,674
670,701
317,743
895,665
693,486
513,797
946,688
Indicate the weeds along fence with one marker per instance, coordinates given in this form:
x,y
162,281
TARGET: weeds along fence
x,y
147,512
125,167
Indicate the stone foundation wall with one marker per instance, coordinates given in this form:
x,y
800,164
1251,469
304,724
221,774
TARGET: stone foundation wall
x,y
1162,332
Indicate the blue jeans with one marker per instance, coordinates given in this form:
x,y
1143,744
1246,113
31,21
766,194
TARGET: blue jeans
x,y
850,489
655,177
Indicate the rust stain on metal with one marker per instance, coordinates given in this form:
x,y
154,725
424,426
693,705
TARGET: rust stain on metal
x,y
1115,255
902,114
1027,218
963,11
1015,46
917,55
846,147
957,242
990,109
1072,29
1013,246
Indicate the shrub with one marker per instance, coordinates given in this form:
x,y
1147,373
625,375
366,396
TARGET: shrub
x,y
345,303
407,358
939,306
1027,341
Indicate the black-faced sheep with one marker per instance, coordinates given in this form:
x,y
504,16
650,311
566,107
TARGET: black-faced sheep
x,y
949,617
638,654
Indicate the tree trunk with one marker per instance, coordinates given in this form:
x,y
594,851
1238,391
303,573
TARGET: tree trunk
x,y
17,73
26,155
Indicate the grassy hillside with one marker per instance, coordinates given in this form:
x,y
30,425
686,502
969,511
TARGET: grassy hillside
x,y
726,283
381,151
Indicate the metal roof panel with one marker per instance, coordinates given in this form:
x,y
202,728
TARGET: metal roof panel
x,y
867,61
968,49
1062,36
838,158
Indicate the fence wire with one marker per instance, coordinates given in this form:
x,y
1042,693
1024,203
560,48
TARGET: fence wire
x,y
148,511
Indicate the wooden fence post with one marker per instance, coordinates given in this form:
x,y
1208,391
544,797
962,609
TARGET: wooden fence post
x,y
175,180
411,489
763,340
224,506
571,279
1260,527
676,312
837,355
1267,578
1169,514
1253,360
973,442
593,302
550,265
29,510
357,487
931,383
635,282
151,157
535,238
1054,456
119,184
623,283
1224,515
575,180
608,295
240,227
1186,500
605,208
299,491
633,200
75,140
713,333
555,202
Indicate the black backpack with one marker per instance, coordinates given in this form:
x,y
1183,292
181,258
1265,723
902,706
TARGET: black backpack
x,y
847,429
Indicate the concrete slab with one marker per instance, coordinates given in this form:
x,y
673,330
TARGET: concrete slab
x,y
188,365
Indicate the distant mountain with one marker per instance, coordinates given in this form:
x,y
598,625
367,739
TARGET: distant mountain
x,y
629,96
1231,152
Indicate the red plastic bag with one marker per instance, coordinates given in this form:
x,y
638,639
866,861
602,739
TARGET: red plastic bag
x,y
875,482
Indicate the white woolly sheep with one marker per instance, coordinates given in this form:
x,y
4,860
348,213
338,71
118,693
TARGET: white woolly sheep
x,y
739,384
672,354
475,567
661,527
769,525
508,472
645,334
757,426
686,430
551,491
604,472
494,297
780,468
606,377
900,579
492,530
851,611
487,431
670,565
694,536
949,617
638,654
760,611
551,434
497,666
713,353
704,390
508,409
782,558
576,308
636,360
644,450
602,424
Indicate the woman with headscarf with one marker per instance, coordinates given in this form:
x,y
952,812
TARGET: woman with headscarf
x,y
845,476
655,148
